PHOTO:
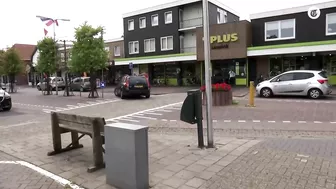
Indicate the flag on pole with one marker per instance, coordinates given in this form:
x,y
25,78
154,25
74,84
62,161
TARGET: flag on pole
x,y
48,22
45,32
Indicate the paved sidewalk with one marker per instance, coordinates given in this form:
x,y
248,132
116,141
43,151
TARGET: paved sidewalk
x,y
13,175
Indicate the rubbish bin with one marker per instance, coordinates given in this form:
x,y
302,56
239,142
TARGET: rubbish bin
x,y
191,112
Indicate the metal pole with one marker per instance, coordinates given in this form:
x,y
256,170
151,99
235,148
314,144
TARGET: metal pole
x,y
102,82
208,87
66,73
55,58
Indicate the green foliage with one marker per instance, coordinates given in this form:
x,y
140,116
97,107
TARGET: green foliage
x,y
12,64
88,52
2,54
47,59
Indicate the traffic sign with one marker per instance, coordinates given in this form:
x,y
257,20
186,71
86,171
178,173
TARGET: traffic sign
x,y
102,84
130,65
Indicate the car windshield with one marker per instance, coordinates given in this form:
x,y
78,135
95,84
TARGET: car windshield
x,y
323,74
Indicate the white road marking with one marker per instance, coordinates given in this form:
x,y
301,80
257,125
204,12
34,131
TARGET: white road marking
x,y
227,121
130,120
256,121
302,121
333,122
241,121
271,121
173,120
317,122
173,108
215,121
144,111
19,124
144,117
48,174
164,120
286,121
152,113
164,110
71,106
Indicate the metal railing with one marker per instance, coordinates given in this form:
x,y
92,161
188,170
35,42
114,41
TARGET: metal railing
x,y
188,50
194,22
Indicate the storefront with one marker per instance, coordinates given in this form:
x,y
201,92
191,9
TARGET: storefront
x,y
228,43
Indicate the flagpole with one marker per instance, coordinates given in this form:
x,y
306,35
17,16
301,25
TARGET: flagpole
x,y
54,29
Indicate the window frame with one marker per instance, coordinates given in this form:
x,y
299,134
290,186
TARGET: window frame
x,y
327,24
166,37
221,11
279,30
128,26
165,17
129,49
140,22
114,51
149,45
152,19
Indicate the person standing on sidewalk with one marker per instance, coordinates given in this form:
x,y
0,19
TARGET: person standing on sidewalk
x,y
232,77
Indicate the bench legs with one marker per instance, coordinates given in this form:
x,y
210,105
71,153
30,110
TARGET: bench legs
x,y
97,143
58,143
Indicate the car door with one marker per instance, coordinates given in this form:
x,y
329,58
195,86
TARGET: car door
x,y
74,84
282,84
301,82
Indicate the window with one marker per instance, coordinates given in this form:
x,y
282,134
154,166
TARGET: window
x,y
117,51
150,45
155,20
221,16
303,75
286,77
280,30
130,25
168,17
142,22
331,24
133,47
167,43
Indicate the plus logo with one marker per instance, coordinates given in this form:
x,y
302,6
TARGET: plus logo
x,y
314,13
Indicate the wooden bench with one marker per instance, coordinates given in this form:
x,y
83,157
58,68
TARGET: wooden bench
x,y
92,126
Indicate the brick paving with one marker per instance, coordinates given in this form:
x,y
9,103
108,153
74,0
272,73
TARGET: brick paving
x,y
16,176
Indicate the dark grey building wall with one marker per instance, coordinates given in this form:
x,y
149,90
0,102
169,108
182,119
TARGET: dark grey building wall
x,y
150,31
306,29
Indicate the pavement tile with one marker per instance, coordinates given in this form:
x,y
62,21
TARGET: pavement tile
x,y
196,168
164,174
195,182
174,182
185,174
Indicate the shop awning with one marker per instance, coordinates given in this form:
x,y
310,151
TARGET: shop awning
x,y
156,59
292,48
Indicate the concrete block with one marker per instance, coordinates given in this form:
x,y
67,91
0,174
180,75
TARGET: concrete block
x,y
126,156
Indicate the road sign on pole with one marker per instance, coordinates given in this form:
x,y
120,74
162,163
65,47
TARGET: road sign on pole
x,y
208,73
130,66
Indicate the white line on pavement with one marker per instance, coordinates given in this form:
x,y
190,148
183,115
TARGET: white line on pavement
x,y
19,124
333,122
241,121
227,121
163,110
48,174
302,121
130,120
317,122
144,117
150,113
286,121
271,121
215,121
164,120
144,111
172,120
256,121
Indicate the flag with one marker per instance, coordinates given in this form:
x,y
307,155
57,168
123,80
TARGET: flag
x,y
49,21
45,32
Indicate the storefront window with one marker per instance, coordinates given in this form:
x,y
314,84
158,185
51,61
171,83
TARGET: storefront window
x,y
275,66
289,63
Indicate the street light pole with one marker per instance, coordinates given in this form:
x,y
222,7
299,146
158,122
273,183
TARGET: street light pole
x,y
208,73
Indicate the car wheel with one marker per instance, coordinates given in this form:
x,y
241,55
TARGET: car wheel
x,y
314,93
7,109
116,92
148,95
122,94
266,92
39,88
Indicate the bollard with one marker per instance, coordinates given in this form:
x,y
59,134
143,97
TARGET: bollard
x,y
251,94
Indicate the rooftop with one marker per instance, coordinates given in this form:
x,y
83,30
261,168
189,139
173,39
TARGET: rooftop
x,y
293,10
25,51
175,4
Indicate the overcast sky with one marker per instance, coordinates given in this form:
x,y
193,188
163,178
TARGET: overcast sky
x,y
19,24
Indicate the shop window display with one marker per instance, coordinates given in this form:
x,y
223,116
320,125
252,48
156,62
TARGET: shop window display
x,y
275,66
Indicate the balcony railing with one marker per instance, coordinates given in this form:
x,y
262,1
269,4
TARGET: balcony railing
x,y
188,50
195,22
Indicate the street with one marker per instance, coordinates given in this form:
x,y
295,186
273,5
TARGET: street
x,y
280,143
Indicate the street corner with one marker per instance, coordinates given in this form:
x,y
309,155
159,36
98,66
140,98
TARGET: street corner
x,y
21,174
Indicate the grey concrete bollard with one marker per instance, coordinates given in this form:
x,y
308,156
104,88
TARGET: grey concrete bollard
x,y
126,156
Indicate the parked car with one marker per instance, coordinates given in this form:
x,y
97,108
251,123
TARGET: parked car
x,y
313,84
132,86
5,100
60,84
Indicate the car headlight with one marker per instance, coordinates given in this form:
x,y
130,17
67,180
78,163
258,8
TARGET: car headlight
x,y
7,96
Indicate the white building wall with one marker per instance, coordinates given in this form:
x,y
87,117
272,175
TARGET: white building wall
x,y
188,42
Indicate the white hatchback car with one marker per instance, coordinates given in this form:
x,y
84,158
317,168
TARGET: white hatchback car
x,y
313,84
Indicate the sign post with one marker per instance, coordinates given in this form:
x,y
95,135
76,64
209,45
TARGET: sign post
x,y
208,71
130,66
102,85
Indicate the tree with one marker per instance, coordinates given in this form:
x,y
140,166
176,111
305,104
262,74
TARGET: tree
x,y
88,53
12,66
2,53
46,63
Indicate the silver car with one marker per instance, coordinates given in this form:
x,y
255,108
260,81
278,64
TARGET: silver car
x,y
313,84
60,84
